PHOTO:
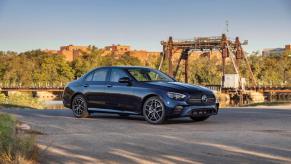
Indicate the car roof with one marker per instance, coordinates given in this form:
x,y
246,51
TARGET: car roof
x,y
125,67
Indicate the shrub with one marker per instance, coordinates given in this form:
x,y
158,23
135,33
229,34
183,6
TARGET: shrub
x,y
15,147
2,98
21,99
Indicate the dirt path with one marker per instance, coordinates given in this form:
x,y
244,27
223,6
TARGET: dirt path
x,y
249,135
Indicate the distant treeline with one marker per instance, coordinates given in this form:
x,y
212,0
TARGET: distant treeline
x,y
39,68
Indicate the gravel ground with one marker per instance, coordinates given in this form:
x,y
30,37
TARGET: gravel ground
x,y
245,135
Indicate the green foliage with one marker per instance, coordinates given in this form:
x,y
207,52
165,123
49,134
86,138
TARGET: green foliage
x,y
271,70
14,147
2,99
268,70
39,68
205,71
95,58
153,61
7,130
201,71
54,70
33,68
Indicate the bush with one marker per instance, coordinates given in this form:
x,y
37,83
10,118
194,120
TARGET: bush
x,y
20,99
15,147
2,99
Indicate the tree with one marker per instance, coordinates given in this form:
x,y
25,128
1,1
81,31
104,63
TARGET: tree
x,y
97,58
33,67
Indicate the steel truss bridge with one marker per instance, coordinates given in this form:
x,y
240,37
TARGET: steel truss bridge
x,y
229,48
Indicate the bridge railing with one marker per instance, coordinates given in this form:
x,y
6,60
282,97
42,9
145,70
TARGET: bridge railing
x,y
256,88
268,87
33,85
62,85
216,88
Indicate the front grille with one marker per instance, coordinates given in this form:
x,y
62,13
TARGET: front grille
x,y
197,99
193,100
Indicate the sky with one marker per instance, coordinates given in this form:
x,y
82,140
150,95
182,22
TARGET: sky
x,y
49,24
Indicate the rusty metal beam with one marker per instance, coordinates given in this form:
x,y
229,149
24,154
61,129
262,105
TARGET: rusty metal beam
x,y
170,55
186,69
224,55
221,43
178,65
163,56
241,54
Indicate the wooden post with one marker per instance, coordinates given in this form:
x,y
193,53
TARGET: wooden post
x,y
186,69
224,54
162,55
170,51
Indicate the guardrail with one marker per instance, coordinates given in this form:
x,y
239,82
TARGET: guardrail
x,y
211,87
256,88
22,88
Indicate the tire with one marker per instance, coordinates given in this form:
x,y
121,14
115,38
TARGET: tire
x,y
154,110
201,118
79,107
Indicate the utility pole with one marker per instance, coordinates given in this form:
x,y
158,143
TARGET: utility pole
x,y
227,27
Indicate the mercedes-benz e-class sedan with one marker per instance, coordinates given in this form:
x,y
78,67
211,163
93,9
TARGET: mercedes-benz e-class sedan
x,y
143,91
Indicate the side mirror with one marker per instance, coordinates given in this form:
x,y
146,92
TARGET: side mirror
x,y
125,80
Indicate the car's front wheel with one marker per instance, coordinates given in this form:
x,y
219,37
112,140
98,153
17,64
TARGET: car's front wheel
x,y
201,118
154,110
79,107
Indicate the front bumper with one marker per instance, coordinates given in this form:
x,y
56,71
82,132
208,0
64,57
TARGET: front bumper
x,y
184,108
200,110
66,103
193,110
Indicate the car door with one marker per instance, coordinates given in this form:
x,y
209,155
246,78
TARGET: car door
x,y
94,88
122,95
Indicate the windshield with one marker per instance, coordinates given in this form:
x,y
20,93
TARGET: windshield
x,y
145,75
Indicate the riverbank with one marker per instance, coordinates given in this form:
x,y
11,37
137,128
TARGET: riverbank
x,y
21,100
284,103
282,106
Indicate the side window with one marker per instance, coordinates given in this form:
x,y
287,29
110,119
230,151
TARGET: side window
x,y
154,76
138,75
89,77
100,75
116,74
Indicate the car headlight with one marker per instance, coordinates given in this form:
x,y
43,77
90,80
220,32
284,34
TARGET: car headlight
x,y
176,96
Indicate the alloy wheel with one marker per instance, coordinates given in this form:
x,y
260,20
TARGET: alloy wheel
x,y
154,110
79,107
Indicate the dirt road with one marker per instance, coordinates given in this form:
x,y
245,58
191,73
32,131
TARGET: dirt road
x,y
249,135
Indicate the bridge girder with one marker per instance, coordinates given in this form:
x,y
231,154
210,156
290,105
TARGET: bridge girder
x,y
221,43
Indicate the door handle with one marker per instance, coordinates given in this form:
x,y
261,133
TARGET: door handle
x,y
85,85
109,86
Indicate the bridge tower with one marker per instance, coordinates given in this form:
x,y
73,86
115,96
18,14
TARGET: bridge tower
x,y
228,48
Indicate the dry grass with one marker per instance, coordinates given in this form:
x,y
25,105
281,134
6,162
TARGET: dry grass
x,y
20,100
16,146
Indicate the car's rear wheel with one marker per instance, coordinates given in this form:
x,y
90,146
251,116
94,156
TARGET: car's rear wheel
x,y
79,107
201,118
154,110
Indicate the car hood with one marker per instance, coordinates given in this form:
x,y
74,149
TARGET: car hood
x,y
182,87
